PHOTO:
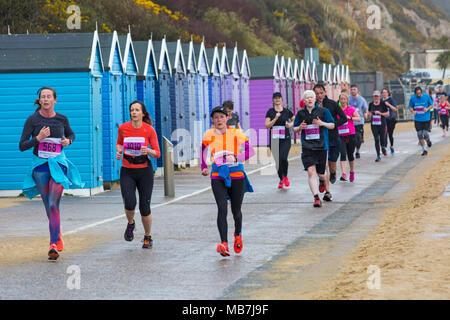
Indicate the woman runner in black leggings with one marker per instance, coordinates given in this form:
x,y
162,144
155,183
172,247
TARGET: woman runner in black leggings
x,y
136,142
378,111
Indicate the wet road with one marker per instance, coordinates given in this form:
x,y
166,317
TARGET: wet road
x,y
183,263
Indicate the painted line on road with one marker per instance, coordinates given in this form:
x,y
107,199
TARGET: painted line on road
x,y
164,203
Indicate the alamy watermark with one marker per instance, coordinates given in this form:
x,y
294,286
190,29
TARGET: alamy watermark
x,y
74,20
374,280
74,280
374,18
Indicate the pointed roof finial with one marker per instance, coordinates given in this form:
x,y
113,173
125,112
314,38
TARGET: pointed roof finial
x,y
9,30
129,29
203,38
96,26
151,36
192,37
27,32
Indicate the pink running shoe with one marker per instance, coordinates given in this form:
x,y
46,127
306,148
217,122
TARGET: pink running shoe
x,y
352,176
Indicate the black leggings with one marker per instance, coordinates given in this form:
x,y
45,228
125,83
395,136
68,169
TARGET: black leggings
x,y
142,179
281,157
444,121
359,135
379,135
236,194
390,124
347,147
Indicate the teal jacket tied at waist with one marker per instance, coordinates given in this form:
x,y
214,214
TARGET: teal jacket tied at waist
x,y
224,172
71,181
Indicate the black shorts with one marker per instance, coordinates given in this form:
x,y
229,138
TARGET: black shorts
x,y
316,158
422,126
334,147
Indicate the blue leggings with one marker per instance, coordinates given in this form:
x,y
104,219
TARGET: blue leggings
x,y
51,193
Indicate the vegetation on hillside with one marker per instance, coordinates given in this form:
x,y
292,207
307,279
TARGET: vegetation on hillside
x,y
262,27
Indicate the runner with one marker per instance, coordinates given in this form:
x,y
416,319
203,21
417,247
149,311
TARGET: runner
x,y
228,178
314,122
279,119
347,133
361,105
438,98
333,135
51,172
378,112
233,117
444,107
136,142
391,120
420,105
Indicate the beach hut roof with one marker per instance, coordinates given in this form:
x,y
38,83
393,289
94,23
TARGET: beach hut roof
x,y
189,57
264,67
202,57
214,60
59,52
109,42
245,65
126,50
176,56
144,50
162,54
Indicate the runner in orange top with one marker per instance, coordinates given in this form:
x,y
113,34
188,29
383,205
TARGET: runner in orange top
x,y
228,178
136,142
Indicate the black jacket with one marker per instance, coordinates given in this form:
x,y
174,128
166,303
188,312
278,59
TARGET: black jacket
x,y
335,110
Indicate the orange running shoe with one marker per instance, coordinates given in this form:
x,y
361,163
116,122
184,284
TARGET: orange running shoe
x,y
60,243
222,248
280,184
238,243
53,253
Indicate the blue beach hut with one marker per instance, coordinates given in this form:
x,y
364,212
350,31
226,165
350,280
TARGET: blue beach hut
x,y
245,90
72,65
112,112
147,79
203,96
190,94
163,119
177,103
129,85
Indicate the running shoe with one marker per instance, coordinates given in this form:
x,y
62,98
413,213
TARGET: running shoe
x,y
317,202
60,244
53,252
238,243
321,186
327,196
383,150
222,248
429,144
286,181
148,242
357,155
352,176
392,151
343,177
129,232
424,153
280,184
332,177
378,159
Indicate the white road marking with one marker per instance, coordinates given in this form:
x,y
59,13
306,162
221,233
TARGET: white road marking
x,y
162,204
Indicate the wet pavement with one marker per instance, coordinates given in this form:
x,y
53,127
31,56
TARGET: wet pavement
x,y
183,263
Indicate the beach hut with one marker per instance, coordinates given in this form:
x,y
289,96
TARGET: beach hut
x,y
203,96
190,95
289,100
147,79
302,78
71,64
233,56
129,80
215,93
245,90
264,81
112,106
296,86
329,86
336,82
178,82
283,79
308,76
226,76
163,119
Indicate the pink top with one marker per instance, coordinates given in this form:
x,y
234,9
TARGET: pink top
x,y
443,108
347,128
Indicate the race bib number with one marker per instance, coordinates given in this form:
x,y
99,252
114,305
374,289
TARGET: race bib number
x,y
278,132
49,148
344,129
376,120
132,146
220,158
312,132
420,110
443,111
